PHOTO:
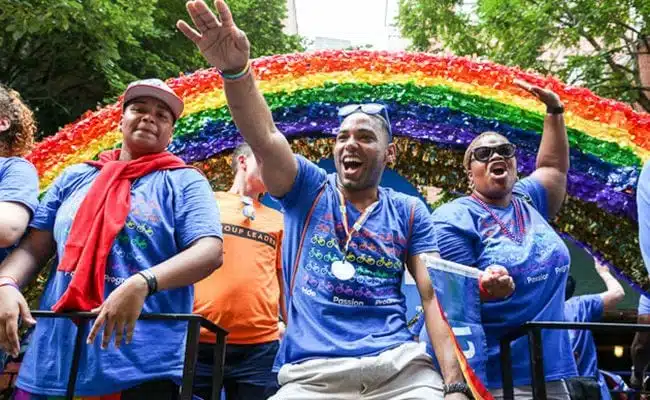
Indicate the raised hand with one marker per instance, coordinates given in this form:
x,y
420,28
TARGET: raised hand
x,y
600,268
222,44
546,96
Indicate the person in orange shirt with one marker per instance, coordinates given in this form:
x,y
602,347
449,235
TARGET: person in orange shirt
x,y
243,296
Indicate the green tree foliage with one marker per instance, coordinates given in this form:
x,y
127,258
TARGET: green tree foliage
x,y
593,43
68,56
262,22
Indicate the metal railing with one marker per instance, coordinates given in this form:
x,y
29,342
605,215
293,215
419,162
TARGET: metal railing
x,y
194,323
534,332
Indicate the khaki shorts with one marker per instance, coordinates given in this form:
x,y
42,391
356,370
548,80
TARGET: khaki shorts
x,y
405,372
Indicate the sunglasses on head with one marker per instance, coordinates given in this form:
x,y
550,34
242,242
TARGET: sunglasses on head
x,y
484,153
375,109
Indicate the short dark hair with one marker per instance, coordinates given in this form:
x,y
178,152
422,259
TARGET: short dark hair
x,y
243,149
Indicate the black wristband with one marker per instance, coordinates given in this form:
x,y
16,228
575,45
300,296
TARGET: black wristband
x,y
152,282
457,387
555,109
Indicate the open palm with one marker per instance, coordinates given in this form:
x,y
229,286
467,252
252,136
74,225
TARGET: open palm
x,y
222,44
546,95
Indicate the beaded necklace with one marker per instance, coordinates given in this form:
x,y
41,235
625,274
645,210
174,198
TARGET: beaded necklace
x,y
520,220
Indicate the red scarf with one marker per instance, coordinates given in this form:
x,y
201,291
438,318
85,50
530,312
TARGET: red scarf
x,y
101,216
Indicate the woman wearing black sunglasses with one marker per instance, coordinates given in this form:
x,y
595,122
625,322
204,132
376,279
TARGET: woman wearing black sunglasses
x,y
501,228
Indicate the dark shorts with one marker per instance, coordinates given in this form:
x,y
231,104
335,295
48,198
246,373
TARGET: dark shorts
x,y
247,372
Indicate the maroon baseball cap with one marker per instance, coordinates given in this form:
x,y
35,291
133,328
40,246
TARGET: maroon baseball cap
x,y
157,89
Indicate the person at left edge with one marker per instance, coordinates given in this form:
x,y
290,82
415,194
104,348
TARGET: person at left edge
x,y
131,233
18,177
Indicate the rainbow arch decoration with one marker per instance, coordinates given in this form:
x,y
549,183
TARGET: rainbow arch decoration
x,y
437,104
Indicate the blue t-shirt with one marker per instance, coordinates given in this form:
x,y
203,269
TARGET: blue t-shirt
x,y
18,184
360,316
169,211
469,235
588,308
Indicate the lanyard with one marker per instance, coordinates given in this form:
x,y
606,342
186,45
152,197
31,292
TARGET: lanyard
x,y
356,227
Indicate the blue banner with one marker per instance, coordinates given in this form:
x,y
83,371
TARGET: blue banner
x,y
458,295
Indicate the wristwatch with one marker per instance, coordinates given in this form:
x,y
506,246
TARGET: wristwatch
x,y
457,387
555,109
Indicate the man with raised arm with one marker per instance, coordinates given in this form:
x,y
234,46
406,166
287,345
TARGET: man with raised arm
x,y
347,241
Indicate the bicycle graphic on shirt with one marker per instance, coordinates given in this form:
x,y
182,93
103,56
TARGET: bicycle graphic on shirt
x,y
376,277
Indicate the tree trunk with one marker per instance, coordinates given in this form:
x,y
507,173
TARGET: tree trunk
x,y
643,59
